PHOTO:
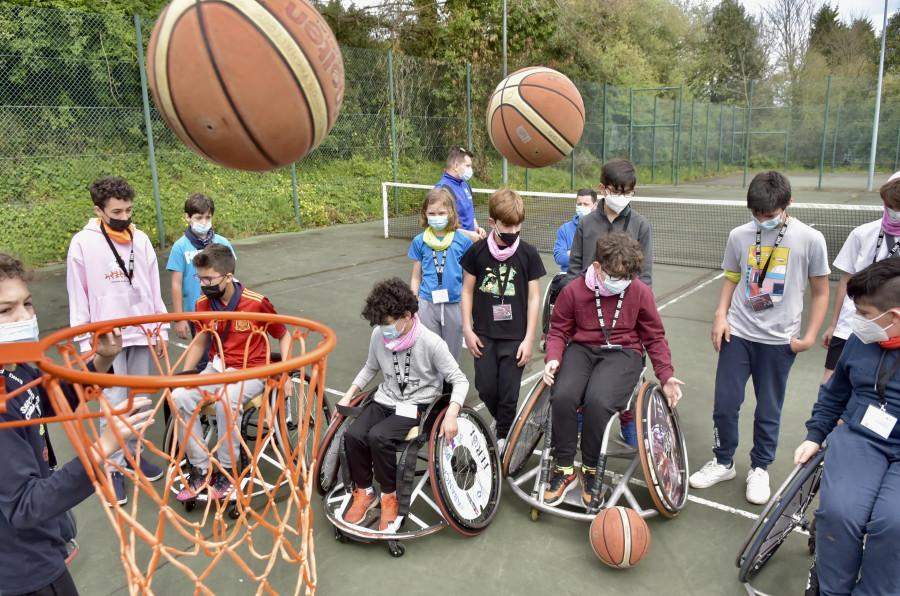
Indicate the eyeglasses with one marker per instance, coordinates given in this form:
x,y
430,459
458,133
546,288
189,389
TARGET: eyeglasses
x,y
208,281
627,194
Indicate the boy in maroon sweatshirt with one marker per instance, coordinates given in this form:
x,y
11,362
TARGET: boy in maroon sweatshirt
x,y
607,317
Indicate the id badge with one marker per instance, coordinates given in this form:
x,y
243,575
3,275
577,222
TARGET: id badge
x,y
760,302
878,421
440,296
407,410
217,363
503,312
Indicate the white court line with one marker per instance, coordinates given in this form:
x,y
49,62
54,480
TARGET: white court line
x,y
691,291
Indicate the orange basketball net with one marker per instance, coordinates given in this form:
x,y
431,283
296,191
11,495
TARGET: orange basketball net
x,y
266,522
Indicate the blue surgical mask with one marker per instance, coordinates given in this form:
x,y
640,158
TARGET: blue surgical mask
x,y
582,210
438,222
769,225
201,228
390,332
467,174
26,330
616,285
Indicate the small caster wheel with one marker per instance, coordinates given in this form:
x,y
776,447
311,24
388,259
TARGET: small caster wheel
x,y
233,512
397,549
340,537
535,514
189,505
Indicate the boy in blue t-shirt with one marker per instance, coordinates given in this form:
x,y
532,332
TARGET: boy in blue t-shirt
x,y
198,212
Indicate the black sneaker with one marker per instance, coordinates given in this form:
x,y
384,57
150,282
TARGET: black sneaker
x,y
560,484
222,487
588,480
196,481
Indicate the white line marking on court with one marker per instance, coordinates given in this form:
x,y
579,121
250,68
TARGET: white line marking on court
x,y
691,291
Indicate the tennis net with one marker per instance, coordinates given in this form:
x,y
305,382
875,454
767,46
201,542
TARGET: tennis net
x,y
686,232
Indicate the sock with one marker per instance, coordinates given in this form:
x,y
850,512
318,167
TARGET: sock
x,y
587,470
567,470
370,491
392,494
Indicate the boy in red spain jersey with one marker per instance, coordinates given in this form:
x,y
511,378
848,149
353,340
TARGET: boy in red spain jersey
x,y
242,347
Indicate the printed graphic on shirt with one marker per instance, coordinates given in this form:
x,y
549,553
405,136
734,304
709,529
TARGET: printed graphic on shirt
x,y
114,273
491,284
776,273
189,256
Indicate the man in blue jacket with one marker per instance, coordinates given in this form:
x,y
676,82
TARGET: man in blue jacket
x,y
585,202
456,178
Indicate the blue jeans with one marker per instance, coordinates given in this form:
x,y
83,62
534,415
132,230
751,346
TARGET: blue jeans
x,y
768,366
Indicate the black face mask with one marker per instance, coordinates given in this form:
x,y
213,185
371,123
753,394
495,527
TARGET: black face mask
x,y
508,238
212,291
119,224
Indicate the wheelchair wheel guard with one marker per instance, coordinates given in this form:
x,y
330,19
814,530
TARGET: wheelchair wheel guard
x,y
464,473
662,449
325,472
788,514
527,429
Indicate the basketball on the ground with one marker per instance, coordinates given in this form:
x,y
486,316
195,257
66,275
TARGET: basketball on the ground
x,y
246,84
620,537
535,117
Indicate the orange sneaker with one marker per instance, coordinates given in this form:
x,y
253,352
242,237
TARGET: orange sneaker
x,y
389,506
362,502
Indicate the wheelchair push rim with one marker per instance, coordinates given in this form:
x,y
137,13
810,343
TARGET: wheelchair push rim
x,y
662,449
527,430
325,470
464,472
787,515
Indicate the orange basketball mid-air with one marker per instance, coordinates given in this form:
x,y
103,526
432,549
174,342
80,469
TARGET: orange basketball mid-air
x,y
535,117
247,84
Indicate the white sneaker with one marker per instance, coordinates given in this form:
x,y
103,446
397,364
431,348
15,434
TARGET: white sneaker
x,y
712,473
758,491
501,445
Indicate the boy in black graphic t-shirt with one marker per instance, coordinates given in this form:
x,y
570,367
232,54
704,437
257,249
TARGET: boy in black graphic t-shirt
x,y
500,304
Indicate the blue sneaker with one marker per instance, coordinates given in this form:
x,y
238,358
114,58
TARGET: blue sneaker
x,y
118,482
629,434
151,471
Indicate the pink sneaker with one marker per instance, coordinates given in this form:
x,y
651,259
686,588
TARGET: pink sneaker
x,y
196,481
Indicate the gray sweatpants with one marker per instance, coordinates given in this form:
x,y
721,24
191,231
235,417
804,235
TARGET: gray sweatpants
x,y
132,360
445,320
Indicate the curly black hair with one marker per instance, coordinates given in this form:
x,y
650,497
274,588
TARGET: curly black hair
x,y
12,268
110,187
391,298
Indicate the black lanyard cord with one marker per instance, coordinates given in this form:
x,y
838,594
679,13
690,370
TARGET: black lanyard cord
x,y
765,269
885,375
129,273
607,333
503,282
892,252
439,268
402,381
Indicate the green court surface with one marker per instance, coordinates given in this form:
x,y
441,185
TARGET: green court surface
x,y
324,275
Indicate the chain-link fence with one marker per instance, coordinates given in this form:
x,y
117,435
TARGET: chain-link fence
x,y
71,109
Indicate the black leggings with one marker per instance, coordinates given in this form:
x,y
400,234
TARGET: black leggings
x,y
371,441
63,585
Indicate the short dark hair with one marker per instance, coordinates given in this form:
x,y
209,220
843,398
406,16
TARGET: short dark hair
x,y
198,204
587,192
620,255
389,298
110,187
618,174
890,193
768,191
506,206
12,268
217,257
877,285
457,154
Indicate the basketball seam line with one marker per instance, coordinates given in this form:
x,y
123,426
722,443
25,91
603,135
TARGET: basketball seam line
x,y
506,131
215,68
552,90
547,122
537,131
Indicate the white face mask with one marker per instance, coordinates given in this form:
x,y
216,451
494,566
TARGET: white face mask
x,y
868,331
582,210
201,228
617,202
467,173
894,216
26,330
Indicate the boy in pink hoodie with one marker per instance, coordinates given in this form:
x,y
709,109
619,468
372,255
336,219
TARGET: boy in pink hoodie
x,y
112,273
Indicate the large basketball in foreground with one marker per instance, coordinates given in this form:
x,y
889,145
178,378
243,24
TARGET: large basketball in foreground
x,y
620,537
246,84
535,117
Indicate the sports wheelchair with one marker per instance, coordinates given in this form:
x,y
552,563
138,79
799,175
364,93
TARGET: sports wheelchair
x,y
661,453
784,513
252,430
462,478
550,294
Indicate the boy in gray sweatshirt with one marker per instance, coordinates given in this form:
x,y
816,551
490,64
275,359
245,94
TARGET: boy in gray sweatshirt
x,y
414,362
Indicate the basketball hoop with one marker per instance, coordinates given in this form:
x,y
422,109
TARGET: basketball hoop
x,y
267,515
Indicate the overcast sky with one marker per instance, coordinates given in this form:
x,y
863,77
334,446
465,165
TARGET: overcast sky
x,y
847,9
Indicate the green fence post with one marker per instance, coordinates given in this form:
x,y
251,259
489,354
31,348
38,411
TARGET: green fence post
x,y
787,136
573,168
653,143
837,123
469,105
678,131
733,126
824,132
393,129
296,197
747,134
631,126
721,130
603,150
706,145
527,178
691,143
147,124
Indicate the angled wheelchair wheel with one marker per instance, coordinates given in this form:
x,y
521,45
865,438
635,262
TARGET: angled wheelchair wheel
x,y
788,513
465,474
301,401
527,429
328,462
662,450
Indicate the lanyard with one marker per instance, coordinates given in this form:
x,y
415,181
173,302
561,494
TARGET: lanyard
x,y
129,273
402,381
892,252
765,269
609,224
502,283
607,333
439,268
885,375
